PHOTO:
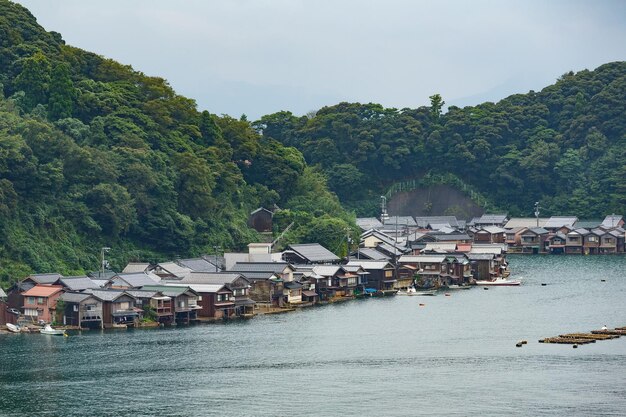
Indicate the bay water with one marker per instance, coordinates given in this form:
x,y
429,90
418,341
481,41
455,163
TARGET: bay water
x,y
453,356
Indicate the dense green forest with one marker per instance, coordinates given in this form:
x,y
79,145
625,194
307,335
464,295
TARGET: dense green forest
x,y
94,154
564,146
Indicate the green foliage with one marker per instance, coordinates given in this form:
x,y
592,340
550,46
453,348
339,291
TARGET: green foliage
x,y
94,153
548,146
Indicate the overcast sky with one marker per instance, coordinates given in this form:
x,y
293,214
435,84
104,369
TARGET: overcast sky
x,y
261,56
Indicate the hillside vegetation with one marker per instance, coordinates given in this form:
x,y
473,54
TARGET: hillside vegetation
x,y
94,153
564,146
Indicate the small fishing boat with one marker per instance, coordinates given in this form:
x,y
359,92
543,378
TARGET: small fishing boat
x,y
500,282
409,291
53,332
13,328
426,292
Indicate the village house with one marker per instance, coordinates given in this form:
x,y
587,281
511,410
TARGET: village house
x,y
184,300
118,307
533,240
40,302
82,309
261,220
76,284
498,220
292,292
199,264
379,275
428,268
266,280
513,237
575,240
457,270
235,281
483,266
556,243
613,221
489,234
561,224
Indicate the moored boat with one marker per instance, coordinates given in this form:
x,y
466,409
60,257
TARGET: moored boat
x,y
500,282
53,332
13,328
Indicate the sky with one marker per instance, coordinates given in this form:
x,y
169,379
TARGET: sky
x,y
257,57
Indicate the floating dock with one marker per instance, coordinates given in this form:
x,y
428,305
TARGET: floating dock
x,y
584,338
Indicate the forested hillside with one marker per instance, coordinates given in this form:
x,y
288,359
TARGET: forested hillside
x,y
564,146
94,153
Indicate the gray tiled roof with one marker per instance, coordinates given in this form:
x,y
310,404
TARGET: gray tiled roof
x,y
314,252
492,219
400,221
556,222
367,223
169,291
198,265
273,267
74,297
45,278
210,278
78,283
424,221
106,295
612,220
135,267
137,280
373,254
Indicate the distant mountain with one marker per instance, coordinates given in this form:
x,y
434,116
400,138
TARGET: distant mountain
x,y
563,146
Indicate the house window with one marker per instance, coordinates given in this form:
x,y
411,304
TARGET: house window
x,y
124,306
593,238
388,273
40,300
609,241
30,300
330,282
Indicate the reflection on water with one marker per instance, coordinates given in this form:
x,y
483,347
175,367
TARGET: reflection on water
x,y
380,357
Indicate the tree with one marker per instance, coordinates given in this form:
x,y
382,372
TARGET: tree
x,y
436,105
62,93
34,80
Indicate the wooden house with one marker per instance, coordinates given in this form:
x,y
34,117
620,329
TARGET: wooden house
x,y
82,309
575,240
490,234
118,307
457,270
591,242
235,281
380,275
292,292
428,268
485,220
513,237
266,280
261,220
40,302
184,300
556,243
483,266
533,240
562,224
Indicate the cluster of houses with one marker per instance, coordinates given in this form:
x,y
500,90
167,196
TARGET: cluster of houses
x,y
393,254
554,235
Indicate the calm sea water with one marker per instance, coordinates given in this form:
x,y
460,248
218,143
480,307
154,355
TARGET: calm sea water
x,y
379,357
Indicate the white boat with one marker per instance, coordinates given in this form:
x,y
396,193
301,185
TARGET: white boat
x,y
49,330
13,328
500,282
408,291
426,292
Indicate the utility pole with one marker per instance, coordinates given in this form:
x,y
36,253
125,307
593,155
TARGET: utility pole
x,y
537,212
349,241
103,263
383,207
216,248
